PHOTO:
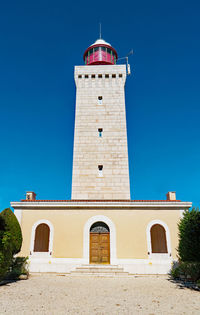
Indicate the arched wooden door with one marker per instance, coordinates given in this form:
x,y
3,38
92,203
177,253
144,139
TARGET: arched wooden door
x,y
99,243
158,239
41,243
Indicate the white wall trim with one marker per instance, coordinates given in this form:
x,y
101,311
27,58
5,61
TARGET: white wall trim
x,y
154,255
147,205
18,214
133,266
38,254
86,237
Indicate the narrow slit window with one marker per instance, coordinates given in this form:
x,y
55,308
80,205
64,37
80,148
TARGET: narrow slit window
x,y
100,168
100,131
100,100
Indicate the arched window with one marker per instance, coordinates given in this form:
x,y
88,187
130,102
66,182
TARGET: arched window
x,y
41,242
99,227
158,239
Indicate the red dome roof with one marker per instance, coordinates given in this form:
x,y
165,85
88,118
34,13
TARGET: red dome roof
x,y
100,53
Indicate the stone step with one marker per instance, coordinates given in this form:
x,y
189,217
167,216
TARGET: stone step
x,y
99,270
94,274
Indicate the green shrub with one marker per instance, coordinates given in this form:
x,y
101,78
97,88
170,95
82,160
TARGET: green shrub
x,y
175,272
10,241
18,267
187,270
189,236
12,226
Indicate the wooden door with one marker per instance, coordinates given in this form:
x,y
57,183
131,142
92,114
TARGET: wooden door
x,y
99,248
158,239
41,243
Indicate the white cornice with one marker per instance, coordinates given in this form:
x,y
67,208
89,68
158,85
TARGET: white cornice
x,y
99,205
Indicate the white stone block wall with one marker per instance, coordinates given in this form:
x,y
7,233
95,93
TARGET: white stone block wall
x,y
110,150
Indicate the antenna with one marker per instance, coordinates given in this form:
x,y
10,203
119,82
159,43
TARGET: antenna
x,y
127,64
100,30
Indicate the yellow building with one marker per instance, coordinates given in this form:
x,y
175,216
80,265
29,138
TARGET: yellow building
x,y
100,225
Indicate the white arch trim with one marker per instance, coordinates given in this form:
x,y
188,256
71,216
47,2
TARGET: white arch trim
x,y
51,233
148,232
86,237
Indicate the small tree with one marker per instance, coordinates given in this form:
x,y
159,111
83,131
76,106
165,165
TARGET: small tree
x,y
13,228
189,236
5,249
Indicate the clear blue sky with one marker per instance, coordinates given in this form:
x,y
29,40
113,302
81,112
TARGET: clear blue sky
x,y
41,42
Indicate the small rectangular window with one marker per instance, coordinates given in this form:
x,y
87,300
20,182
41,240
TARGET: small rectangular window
x,y
113,75
120,75
80,76
93,76
99,75
100,100
107,76
100,131
100,168
86,76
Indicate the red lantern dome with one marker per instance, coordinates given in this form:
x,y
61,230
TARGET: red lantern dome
x,y
100,53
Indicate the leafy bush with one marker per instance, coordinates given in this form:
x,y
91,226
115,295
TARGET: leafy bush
x,y
10,242
189,236
5,254
12,226
18,267
186,270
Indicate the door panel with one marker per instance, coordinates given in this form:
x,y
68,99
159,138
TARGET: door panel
x,y
99,248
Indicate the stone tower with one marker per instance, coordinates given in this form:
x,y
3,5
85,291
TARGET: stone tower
x,y
100,158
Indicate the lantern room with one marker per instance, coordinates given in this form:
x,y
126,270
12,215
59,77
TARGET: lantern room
x,y
100,53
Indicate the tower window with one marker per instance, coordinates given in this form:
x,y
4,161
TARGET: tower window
x,y
100,131
99,75
100,168
120,75
100,100
93,76
86,76
113,75
107,76
80,76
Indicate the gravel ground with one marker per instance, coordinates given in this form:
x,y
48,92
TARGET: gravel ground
x,y
59,294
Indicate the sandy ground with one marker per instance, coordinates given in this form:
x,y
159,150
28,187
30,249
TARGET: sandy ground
x,y
57,294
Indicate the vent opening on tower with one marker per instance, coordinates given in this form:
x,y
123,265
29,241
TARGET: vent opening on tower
x,y
120,75
93,76
80,76
100,168
99,75
100,130
107,76
113,75
100,100
86,76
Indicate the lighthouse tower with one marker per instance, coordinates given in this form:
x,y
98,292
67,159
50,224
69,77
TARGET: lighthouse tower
x,y
100,224
100,158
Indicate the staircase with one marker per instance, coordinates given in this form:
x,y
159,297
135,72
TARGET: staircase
x,y
99,271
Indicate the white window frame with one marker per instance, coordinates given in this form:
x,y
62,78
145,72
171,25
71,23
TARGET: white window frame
x,y
100,171
51,233
100,102
148,232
